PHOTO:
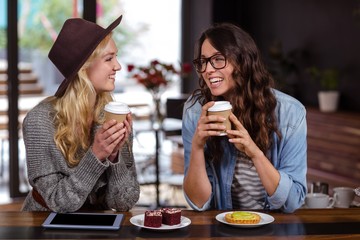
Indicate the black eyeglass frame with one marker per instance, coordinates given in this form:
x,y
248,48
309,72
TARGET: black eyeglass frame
x,y
196,62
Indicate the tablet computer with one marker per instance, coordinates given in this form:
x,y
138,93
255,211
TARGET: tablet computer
x,y
90,221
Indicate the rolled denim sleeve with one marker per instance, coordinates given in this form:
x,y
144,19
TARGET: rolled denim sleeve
x,y
190,119
290,159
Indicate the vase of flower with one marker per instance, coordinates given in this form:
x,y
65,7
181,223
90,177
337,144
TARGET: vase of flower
x,y
157,116
155,78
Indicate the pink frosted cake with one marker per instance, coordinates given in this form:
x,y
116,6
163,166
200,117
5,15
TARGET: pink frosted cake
x,y
153,218
171,216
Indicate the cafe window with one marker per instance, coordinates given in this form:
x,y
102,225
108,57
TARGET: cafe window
x,y
149,32
146,33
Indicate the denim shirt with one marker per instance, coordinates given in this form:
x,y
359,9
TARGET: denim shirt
x,y
288,155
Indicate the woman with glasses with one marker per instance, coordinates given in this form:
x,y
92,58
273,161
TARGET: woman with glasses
x,y
261,162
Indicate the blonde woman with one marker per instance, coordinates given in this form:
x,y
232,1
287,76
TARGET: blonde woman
x,y
75,160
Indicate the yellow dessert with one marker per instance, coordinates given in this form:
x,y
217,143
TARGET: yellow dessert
x,y
242,217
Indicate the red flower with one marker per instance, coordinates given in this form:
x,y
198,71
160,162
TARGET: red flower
x,y
156,74
130,67
154,62
186,68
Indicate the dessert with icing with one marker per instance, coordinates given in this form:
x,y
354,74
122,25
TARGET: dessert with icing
x,y
168,216
241,217
171,216
153,218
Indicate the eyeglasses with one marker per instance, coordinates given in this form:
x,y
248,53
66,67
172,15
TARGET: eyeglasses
x,y
217,61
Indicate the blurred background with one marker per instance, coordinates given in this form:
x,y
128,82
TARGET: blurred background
x,y
303,42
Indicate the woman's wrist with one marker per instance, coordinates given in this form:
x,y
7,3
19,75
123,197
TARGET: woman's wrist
x,y
96,155
258,156
114,157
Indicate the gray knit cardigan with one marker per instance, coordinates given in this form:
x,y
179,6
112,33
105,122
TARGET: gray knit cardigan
x,y
90,185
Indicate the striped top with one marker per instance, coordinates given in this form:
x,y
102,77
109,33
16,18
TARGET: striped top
x,y
247,191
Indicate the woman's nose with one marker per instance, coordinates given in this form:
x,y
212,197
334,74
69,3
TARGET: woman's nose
x,y
117,66
209,67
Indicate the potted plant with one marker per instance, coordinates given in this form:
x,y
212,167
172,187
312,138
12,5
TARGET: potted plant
x,y
283,67
328,95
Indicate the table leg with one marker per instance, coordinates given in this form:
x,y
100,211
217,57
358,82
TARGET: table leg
x,y
157,174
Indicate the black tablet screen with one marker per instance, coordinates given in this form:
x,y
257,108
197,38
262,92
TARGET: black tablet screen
x,y
84,219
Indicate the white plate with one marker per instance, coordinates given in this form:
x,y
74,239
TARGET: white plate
x,y
265,219
138,220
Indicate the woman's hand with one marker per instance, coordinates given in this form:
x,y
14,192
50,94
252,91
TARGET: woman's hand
x,y
241,139
110,138
207,126
269,176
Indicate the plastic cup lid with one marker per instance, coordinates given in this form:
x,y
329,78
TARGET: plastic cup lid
x,y
220,106
117,108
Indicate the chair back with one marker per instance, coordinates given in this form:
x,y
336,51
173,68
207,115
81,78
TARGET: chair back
x,y
175,105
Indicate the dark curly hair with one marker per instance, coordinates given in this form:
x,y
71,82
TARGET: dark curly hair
x,y
252,98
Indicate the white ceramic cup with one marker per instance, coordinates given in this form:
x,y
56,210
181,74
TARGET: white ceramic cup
x,y
318,200
116,110
222,108
343,196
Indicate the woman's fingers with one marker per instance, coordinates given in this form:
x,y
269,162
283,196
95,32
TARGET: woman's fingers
x,y
236,122
206,107
212,124
109,138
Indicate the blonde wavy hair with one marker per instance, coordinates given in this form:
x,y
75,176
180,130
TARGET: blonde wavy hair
x,y
75,117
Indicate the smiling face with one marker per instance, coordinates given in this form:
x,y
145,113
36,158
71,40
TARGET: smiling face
x,y
102,70
219,81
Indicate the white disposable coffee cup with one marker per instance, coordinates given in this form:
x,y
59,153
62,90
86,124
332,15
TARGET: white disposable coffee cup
x,y
222,108
318,200
116,110
343,196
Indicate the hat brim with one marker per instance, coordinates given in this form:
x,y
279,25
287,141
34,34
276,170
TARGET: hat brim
x,y
65,83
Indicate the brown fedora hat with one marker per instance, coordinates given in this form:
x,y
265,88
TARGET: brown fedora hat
x,y
76,41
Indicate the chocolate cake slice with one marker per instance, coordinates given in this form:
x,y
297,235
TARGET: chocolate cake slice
x,y
153,218
171,216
